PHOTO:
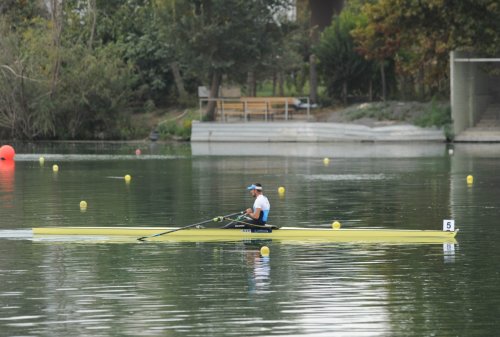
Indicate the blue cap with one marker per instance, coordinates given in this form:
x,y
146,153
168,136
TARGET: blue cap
x,y
254,187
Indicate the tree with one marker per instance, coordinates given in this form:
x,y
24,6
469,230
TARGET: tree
x,y
418,35
93,94
25,82
342,68
50,88
222,37
376,39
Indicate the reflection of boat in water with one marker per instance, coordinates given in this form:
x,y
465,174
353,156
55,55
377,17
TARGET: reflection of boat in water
x,y
284,234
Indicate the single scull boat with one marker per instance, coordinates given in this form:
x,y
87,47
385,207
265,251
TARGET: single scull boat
x,y
284,233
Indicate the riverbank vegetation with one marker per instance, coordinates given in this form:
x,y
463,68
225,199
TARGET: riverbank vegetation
x,y
96,69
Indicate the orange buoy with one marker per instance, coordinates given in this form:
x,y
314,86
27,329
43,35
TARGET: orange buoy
x,y
7,152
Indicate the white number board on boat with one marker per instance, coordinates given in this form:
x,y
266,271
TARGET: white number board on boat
x,y
449,225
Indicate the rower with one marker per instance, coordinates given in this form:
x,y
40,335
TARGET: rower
x,y
255,217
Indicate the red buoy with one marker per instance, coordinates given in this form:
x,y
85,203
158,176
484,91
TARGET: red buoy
x,y
7,152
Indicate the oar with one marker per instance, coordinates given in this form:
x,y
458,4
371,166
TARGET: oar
x,y
216,219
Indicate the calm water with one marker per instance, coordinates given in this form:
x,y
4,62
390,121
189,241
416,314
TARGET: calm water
x,y
89,288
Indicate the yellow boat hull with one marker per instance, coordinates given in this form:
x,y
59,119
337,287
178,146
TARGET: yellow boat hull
x,y
285,233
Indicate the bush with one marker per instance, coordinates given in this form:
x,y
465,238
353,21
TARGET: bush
x,y
439,116
434,115
179,127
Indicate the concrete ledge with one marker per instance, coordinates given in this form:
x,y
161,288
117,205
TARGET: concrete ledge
x,y
309,132
471,136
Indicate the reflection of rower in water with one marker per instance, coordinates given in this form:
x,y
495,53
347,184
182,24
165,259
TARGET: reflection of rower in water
x,y
259,273
255,217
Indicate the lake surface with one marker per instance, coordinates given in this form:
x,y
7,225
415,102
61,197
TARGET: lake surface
x,y
65,287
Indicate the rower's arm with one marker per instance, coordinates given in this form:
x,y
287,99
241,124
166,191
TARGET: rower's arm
x,y
254,215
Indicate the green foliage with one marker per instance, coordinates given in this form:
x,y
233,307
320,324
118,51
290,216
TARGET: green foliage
x,y
25,73
175,130
342,69
61,92
93,93
434,115
439,116
140,32
223,36
418,36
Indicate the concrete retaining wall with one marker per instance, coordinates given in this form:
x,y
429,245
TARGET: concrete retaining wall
x,y
309,132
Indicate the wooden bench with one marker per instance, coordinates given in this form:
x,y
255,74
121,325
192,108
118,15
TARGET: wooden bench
x,y
230,108
258,108
275,105
248,107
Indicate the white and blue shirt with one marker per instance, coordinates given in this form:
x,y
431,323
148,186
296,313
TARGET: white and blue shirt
x,y
262,203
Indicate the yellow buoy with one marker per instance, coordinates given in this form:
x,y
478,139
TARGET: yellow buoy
x,y
127,178
470,179
326,161
41,160
83,204
55,168
336,225
281,190
264,251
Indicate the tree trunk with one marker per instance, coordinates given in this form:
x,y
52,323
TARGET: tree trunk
x,y
251,84
301,81
370,91
214,93
405,85
179,82
56,16
421,84
382,77
313,79
281,84
344,92
275,81
93,12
